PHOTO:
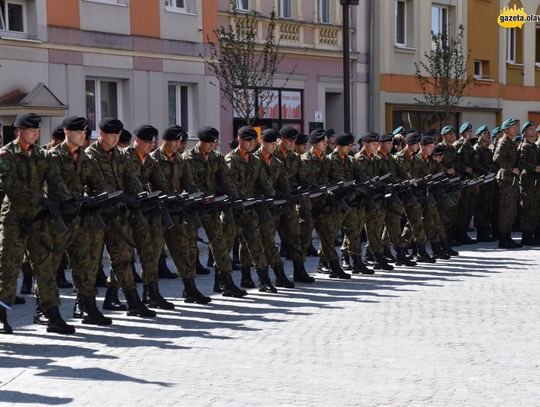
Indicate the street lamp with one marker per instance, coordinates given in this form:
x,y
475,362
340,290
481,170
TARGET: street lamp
x,y
346,64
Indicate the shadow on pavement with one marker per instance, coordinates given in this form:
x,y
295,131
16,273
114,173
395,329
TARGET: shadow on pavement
x,y
14,397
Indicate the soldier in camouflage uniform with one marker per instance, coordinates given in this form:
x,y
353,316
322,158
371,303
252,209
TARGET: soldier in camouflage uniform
x,y
506,157
148,230
484,206
289,225
119,175
250,179
325,216
181,238
528,159
465,166
24,170
211,176
409,161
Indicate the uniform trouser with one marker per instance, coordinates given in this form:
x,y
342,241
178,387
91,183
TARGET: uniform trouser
x,y
305,226
15,238
214,229
117,237
432,224
508,202
149,241
353,223
182,244
327,225
448,216
392,229
374,227
268,236
529,202
289,232
465,210
483,209
413,210
247,227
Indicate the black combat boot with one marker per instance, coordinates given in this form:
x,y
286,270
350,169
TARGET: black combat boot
x,y
464,238
337,271
448,249
246,281
370,258
482,235
40,317
26,287
199,268
381,263
528,239
422,255
359,266
229,288
163,269
402,259
56,323
155,299
6,328
91,314
323,267
192,294
136,277
217,281
387,253
438,251
135,305
281,278
506,242
111,301
265,284
346,262
78,312
300,275
101,278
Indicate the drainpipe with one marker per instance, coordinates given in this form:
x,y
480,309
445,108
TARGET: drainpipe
x,y
371,76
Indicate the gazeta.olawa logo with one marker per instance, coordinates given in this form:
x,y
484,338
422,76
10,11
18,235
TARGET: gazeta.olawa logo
x,y
515,17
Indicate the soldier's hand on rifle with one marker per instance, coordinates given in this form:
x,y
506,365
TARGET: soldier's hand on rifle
x,y
132,202
537,169
51,206
515,171
451,171
469,170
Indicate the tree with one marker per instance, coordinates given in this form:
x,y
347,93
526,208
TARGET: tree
x,y
244,68
443,75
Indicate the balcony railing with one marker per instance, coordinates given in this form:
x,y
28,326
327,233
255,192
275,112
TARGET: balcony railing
x,y
289,32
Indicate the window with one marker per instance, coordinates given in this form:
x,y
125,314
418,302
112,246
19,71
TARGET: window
x,y
242,5
477,69
102,100
113,2
285,8
439,22
481,69
13,16
180,105
538,45
401,23
324,11
178,4
511,45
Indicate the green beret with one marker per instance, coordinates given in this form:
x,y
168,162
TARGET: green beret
x,y
526,125
538,128
519,137
398,130
27,121
508,123
447,129
480,129
495,131
464,127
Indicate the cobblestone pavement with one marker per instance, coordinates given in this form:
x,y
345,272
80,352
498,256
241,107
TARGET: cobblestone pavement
x,y
460,333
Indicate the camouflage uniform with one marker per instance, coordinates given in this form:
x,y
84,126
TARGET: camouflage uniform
x,y
465,157
528,157
22,178
485,205
448,213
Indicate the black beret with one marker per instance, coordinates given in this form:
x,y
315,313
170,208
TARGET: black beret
x,y
146,132
427,140
301,139
438,150
270,135
125,136
58,133
369,137
344,139
75,123
317,135
27,121
247,133
386,137
110,125
431,132
329,132
88,133
208,134
412,138
175,132
289,132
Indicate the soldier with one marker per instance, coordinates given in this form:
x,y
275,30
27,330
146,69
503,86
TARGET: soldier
x,y
506,156
250,178
367,165
181,238
80,175
124,140
289,226
354,220
301,144
57,137
465,167
528,159
118,174
148,231
210,175
398,136
23,173
325,216
331,137
411,163
484,206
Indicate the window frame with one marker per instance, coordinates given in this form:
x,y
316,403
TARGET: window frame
x,y
121,3
477,64
178,106
396,42
537,45
239,3
281,3
511,46
6,29
446,26
97,97
320,4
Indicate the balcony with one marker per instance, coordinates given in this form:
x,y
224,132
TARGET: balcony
x,y
290,33
328,37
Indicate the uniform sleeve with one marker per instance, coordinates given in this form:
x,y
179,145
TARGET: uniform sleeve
x,y
157,179
503,156
14,189
56,187
188,182
224,177
481,158
282,182
131,181
527,158
94,181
